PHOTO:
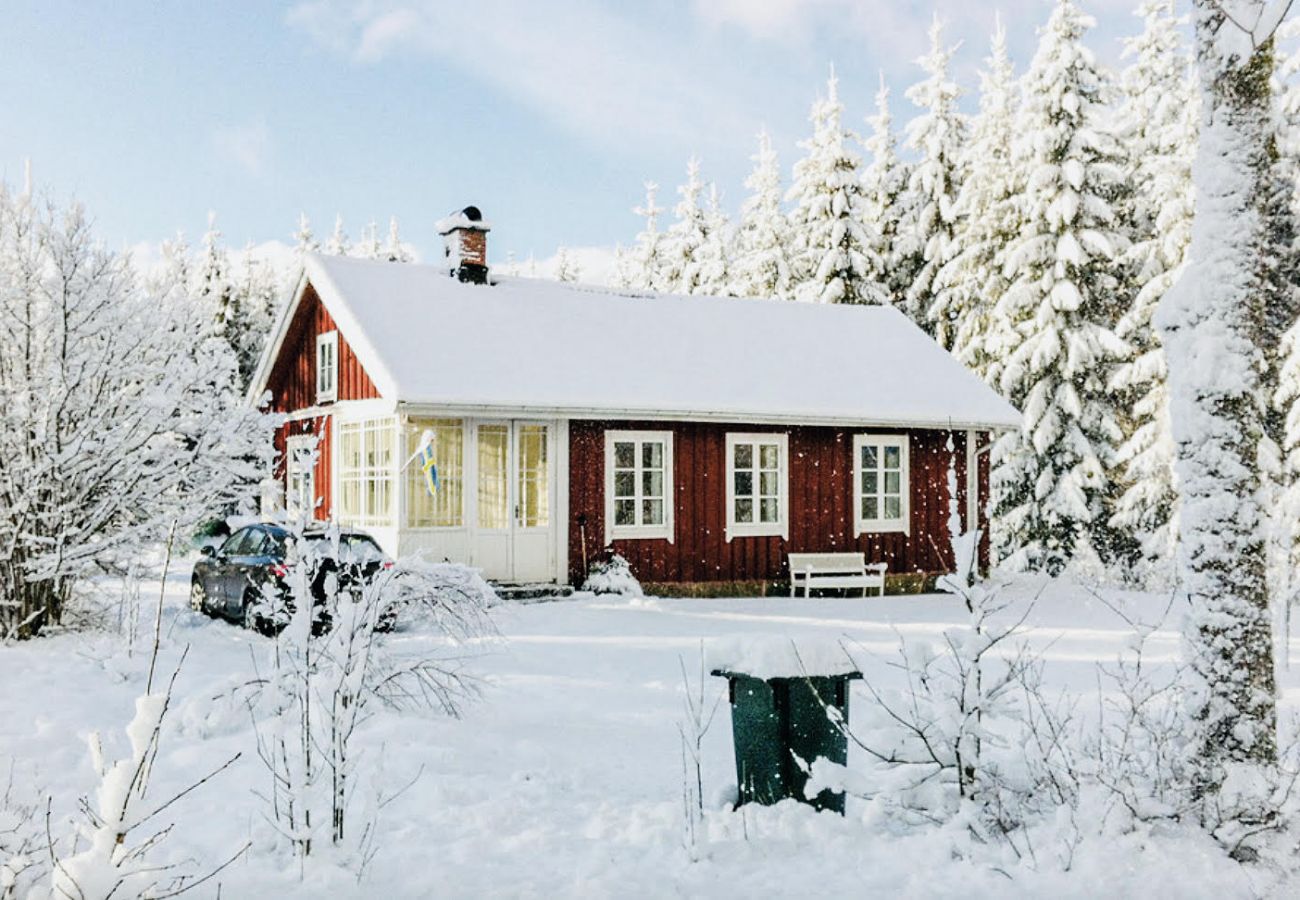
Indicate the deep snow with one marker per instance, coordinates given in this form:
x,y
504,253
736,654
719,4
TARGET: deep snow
x,y
565,779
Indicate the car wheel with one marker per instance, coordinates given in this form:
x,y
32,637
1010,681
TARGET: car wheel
x,y
198,599
249,617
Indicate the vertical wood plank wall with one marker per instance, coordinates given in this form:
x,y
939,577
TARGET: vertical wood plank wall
x,y
292,384
820,504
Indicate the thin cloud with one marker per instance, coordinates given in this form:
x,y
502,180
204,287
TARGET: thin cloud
x,y
247,145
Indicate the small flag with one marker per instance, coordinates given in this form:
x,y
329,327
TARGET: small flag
x,y
430,469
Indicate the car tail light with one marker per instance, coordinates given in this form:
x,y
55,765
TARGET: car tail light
x,y
279,570
388,564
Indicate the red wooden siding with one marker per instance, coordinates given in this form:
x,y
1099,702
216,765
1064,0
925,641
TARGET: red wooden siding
x,y
820,504
292,384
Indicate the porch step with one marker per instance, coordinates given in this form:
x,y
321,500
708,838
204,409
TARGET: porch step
x,y
532,593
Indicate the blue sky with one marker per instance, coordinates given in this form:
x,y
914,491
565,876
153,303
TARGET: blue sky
x,y
547,114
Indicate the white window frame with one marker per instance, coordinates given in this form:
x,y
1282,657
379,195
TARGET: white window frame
x,y
410,431
881,525
327,391
303,505
642,532
779,528
366,474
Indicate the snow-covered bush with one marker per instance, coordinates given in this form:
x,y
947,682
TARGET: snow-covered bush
x,y
119,412
613,577
24,849
327,675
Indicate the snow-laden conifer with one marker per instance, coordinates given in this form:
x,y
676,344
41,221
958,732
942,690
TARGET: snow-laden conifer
x,y
566,269
370,246
988,210
338,244
927,232
395,250
714,255
831,238
646,261
1051,476
883,182
686,237
1212,326
1157,123
762,262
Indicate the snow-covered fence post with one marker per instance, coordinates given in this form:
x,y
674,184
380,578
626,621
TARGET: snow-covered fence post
x,y
1213,324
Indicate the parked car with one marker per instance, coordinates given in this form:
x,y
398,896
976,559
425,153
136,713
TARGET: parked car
x,y
230,580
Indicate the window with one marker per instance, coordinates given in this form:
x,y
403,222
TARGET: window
x,y
638,484
327,367
366,472
756,485
444,508
880,478
300,465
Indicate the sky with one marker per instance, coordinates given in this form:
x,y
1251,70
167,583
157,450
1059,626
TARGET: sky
x,y
548,114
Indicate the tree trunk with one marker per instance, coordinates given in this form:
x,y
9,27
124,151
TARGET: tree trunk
x,y
1215,325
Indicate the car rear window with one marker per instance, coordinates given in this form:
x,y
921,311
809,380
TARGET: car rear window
x,y
353,548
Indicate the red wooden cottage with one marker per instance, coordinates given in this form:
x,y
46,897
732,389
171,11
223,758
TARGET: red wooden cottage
x,y
702,438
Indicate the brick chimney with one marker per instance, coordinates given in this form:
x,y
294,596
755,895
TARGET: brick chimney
x,y
464,235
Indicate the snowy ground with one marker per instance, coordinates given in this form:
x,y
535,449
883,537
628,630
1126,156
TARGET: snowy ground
x,y
566,779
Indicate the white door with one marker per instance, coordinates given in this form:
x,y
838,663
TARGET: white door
x,y
513,535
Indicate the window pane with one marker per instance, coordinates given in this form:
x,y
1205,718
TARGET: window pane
x,y
870,508
443,508
868,456
893,457
769,511
767,484
744,456
893,508
624,483
870,482
744,510
493,472
744,482
769,456
624,512
652,455
652,484
624,454
652,512
891,482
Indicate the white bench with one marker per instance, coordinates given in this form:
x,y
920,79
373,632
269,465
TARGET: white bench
x,y
835,570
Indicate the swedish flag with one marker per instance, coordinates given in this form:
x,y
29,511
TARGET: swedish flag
x,y
429,467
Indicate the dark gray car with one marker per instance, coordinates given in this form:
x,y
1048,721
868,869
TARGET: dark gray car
x,y
229,581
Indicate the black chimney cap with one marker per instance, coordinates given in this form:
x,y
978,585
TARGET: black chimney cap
x,y
472,213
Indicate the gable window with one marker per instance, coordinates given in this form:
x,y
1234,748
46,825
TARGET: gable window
x,y
366,472
444,508
757,490
880,476
327,367
638,484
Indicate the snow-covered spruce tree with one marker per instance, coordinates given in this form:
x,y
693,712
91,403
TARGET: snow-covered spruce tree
x,y
257,291
680,250
883,182
1158,126
213,285
338,245
647,259
395,250
761,267
565,267
830,238
119,411
988,211
621,275
370,246
1050,477
715,253
1212,325
927,232
304,240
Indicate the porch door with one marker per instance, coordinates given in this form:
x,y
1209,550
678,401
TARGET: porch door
x,y
513,537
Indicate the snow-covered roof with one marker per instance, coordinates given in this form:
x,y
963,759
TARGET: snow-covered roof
x,y
428,339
